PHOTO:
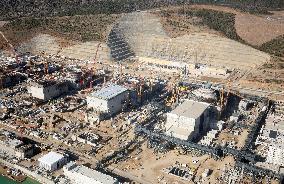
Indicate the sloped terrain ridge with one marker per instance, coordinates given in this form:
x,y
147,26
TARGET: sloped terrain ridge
x,y
144,35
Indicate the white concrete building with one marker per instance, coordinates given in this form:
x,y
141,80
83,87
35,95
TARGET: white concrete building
x,y
275,155
188,120
52,161
46,90
107,101
84,175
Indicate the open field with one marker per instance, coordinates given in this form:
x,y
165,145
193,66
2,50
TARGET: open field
x,y
73,28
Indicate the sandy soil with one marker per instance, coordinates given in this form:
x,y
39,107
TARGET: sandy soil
x,y
257,30
148,166
56,45
185,26
254,29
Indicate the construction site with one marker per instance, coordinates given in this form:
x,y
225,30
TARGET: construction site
x,y
140,107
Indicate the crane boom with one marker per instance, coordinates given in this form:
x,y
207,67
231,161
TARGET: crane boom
x,y
11,46
96,54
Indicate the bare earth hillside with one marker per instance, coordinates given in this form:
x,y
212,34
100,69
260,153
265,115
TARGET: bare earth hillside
x,y
254,29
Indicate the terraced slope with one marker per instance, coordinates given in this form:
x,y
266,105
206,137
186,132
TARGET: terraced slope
x,y
145,36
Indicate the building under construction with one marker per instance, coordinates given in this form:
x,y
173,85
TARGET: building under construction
x,y
46,90
188,120
106,102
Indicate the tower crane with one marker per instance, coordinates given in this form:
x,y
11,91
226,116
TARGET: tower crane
x,y
13,50
96,54
140,90
43,54
95,59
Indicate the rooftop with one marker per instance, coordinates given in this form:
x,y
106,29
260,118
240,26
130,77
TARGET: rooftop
x,y
51,157
109,92
15,143
90,173
47,83
190,109
25,147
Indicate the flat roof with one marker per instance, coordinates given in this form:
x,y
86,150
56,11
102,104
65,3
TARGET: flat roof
x,y
50,158
15,142
90,173
109,92
190,109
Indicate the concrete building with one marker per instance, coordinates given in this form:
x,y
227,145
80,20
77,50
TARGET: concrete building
x,y
275,155
52,161
13,146
188,120
46,90
271,136
106,102
87,138
84,175
25,151
10,79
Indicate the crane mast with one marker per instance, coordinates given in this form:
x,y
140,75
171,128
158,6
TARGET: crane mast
x,y
13,50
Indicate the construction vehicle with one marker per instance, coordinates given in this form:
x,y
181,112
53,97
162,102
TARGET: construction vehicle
x,y
183,88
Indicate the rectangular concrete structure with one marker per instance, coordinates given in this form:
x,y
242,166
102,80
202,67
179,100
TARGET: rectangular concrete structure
x,y
108,100
275,155
46,90
188,120
52,161
79,174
